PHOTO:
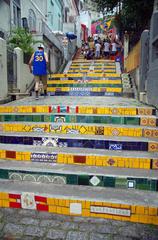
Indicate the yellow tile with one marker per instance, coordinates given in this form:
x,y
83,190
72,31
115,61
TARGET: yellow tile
x,y
65,211
134,218
155,220
85,213
5,203
143,219
153,211
4,196
50,201
59,210
52,209
140,209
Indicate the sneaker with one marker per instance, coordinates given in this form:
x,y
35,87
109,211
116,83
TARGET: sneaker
x,y
45,93
37,97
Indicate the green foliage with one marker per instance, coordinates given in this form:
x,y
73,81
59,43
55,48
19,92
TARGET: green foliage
x,y
133,16
22,39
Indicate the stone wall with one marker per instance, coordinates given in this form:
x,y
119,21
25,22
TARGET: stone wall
x,y
33,225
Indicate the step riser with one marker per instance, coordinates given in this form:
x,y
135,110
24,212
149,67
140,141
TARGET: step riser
x,y
82,93
81,143
85,160
80,129
83,85
80,119
85,180
80,109
85,208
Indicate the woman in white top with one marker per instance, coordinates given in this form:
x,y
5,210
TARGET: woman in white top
x,y
113,48
106,49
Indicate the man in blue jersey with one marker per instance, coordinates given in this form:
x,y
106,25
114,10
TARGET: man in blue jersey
x,y
39,61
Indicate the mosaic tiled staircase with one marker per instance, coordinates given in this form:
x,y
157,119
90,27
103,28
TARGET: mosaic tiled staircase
x,y
87,78
84,156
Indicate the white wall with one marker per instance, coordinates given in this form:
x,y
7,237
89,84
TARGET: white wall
x,y
85,19
24,77
5,16
3,69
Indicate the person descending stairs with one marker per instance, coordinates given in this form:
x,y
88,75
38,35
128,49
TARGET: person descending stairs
x,y
93,151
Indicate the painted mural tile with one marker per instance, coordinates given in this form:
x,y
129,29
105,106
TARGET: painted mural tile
x,y
110,211
115,146
155,164
99,130
96,180
28,200
152,147
43,157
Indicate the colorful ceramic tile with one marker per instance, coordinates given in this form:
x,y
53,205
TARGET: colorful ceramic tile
x,y
110,211
155,164
152,147
115,146
43,157
28,200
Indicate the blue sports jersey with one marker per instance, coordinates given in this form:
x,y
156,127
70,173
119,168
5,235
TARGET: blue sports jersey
x,y
39,63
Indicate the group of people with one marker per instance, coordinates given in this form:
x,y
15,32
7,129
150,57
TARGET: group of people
x,y
97,48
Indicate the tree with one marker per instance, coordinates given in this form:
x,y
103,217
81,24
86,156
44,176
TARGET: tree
x,y
133,16
23,39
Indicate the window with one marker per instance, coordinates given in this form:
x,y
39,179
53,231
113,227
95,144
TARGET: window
x,y
16,13
50,14
32,20
59,22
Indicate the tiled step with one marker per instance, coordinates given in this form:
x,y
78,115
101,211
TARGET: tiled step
x,y
80,141
80,128
151,121
82,91
54,151
91,70
118,204
84,83
82,175
84,105
88,76
94,61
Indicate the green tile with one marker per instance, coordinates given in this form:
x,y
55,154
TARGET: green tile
x,y
72,119
20,118
4,174
116,120
132,120
36,118
109,181
83,180
28,118
72,179
121,183
47,118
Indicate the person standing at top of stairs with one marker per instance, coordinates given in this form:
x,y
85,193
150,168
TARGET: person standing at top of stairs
x,y
39,61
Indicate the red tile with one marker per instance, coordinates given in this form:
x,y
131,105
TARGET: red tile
x,y
41,207
33,109
79,159
40,199
50,109
16,196
14,205
58,109
77,109
68,109
10,154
